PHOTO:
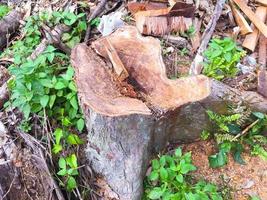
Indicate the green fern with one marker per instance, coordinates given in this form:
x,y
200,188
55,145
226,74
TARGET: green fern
x,y
225,137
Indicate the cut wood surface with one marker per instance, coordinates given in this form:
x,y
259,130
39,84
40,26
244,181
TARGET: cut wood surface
x,y
240,20
251,40
115,60
9,25
125,133
252,16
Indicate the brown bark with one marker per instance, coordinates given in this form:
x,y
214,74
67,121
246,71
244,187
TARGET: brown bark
x,y
9,25
126,132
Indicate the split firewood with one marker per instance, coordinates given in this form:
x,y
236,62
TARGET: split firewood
x,y
4,75
4,94
252,16
8,26
124,130
118,66
262,73
196,66
240,20
263,2
52,37
251,39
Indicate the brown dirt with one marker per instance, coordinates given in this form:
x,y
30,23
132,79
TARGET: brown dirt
x,y
244,180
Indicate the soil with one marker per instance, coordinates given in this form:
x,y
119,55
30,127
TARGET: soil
x,y
244,180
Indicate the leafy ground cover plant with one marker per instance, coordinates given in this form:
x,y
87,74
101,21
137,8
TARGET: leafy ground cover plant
x,y
234,133
170,179
4,9
222,56
43,88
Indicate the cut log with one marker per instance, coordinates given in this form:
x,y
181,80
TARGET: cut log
x,y
9,25
125,133
251,39
252,16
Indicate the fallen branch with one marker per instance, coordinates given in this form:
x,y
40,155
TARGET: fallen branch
x,y
245,131
196,66
97,11
53,37
9,25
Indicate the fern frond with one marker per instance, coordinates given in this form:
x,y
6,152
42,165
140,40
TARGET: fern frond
x,y
220,138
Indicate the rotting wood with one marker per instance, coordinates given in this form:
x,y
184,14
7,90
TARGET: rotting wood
x,y
9,25
262,74
4,94
240,20
127,132
252,16
195,39
251,40
196,66
25,164
135,7
115,60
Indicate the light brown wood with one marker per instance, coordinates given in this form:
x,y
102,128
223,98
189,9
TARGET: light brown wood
x,y
115,60
240,20
252,16
251,40
263,2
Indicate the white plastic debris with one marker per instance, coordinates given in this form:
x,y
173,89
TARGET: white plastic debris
x,y
110,23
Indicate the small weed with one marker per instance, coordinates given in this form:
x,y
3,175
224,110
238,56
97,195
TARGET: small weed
x,y
222,56
233,132
183,52
170,179
4,9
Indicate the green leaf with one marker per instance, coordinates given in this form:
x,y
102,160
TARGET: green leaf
x,y
163,174
26,109
62,172
52,100
46,83
59,85
155,164
186,167
62,163
80,124
74,139
58,135
71,183
57,148
178,152
218,160
259,115
74,103
155,193
154,175
44,100
179,178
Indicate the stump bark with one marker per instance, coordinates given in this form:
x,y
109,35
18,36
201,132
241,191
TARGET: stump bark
x,y
129,122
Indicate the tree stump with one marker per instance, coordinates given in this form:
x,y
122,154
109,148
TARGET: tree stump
x,y
129,122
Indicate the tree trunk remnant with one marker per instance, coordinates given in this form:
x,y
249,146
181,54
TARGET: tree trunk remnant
x,y
130,122
9,25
